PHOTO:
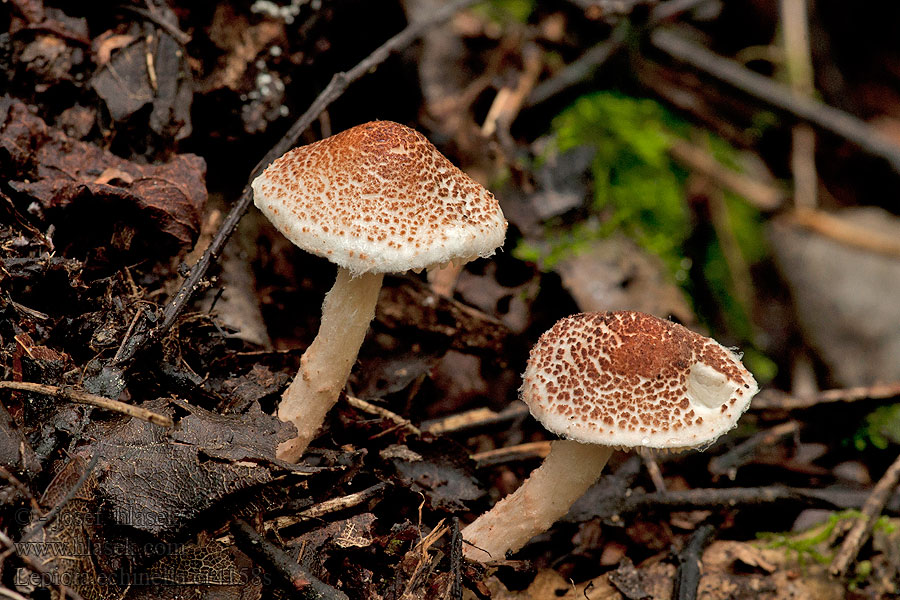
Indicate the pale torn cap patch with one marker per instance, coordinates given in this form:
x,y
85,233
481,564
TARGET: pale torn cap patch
x,y
630,379
379,197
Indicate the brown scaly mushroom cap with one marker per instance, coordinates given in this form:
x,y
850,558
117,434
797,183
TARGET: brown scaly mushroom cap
x,y
379,198
629,379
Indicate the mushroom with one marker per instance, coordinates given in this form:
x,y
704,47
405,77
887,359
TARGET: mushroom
x,y
377,198
604,381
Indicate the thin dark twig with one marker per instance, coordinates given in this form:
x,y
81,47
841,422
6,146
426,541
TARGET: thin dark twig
x,y
822,115
688,577
585,65
54,512
258,547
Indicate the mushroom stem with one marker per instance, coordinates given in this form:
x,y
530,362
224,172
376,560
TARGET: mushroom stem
x,y
545,497
325,366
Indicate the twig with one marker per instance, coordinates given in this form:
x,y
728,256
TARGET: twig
x,y
862,528
47,519
258,547
775,399
339,82
326,507
761,195
654,471
799,69
372,409
581,68
80,397
624,501
153,16
847,232
476,419
500,456
688,576
728,463
585,65
822,115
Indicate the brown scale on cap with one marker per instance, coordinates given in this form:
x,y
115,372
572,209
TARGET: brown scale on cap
x,y
630,379
379,197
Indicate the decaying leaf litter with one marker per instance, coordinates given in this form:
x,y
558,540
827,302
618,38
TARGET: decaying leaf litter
x,y
639,169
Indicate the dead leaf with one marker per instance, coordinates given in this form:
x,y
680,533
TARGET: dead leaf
x,y
157,482
615,274
151,69
442,472
62,174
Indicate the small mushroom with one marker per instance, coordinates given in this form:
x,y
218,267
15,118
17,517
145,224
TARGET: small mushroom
x,y
377,198
604,381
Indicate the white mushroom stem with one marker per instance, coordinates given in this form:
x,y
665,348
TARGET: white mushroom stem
x,y
545,497
325,366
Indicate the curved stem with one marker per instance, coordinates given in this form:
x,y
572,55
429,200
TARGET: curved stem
x,y
325,366
545,497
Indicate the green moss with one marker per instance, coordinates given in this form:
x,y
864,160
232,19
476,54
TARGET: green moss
x,y
811,544
505,11
882,428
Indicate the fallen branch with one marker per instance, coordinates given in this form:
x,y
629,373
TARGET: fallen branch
x,y
80,397
822,115
862,527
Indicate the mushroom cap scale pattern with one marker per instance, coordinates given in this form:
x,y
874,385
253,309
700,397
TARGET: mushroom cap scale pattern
x,y
379,197
629,379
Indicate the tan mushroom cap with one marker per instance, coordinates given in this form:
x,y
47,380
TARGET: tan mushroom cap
x,y
629,379
379,197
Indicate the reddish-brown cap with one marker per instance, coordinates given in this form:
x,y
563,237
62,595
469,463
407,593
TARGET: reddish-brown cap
x,y
632,380
379,197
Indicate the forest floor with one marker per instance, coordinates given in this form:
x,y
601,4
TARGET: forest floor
x,y
727,165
